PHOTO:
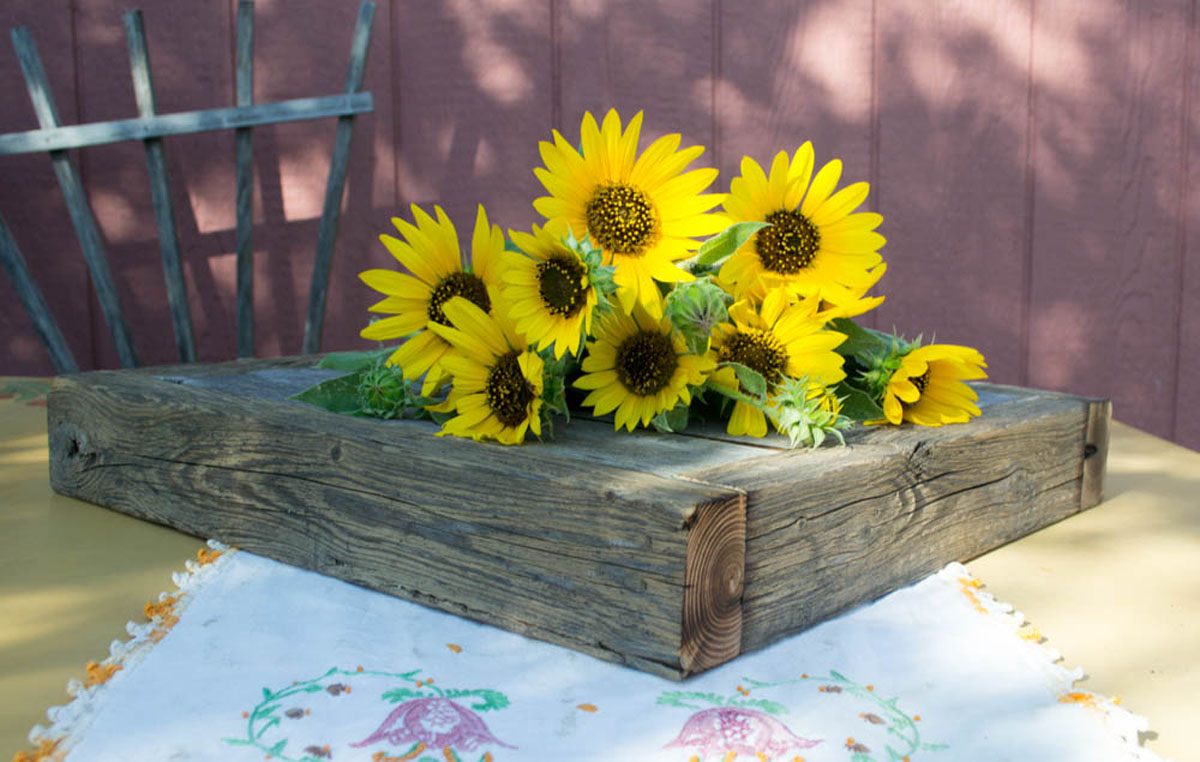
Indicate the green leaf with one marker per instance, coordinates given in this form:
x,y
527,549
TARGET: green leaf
x,y
857,404
353,361
673,420
337,395
752,381
728,241
862,344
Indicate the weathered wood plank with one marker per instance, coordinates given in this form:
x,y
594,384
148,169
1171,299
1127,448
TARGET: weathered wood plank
x,y
601,562
35,304
245,182
164,215
687,563
832,529
183,123
77,205
331,209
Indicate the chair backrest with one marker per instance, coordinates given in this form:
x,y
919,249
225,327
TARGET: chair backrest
x,y
151,127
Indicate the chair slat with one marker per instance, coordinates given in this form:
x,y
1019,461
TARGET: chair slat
x,y
76,199
35,304
245,182
331,210
164,215
183,123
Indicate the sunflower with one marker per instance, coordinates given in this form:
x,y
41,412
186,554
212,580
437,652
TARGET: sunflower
x,y
841,302
498,380
639,366
927,389
551,296
778,340
430,252
815,243
641,211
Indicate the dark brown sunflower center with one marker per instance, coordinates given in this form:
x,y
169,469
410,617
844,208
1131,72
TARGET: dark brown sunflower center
x,y
646,362
757,350
508,392
789,245
920,382
462,284
620,219
560,282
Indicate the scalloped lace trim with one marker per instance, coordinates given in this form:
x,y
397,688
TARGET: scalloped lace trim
x,y
69,721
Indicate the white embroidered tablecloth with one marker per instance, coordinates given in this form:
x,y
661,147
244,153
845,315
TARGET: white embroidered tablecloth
x,y
252,659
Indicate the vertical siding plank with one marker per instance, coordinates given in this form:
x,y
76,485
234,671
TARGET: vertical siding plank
x,y
244,140
795,71
474,101
953,105
637,56
164,216
1107,98
1187,412
33,205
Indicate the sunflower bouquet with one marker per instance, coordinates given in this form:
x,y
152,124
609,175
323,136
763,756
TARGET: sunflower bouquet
x,y
648,299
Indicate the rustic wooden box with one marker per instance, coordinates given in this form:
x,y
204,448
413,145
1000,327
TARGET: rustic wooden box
x,y
668,553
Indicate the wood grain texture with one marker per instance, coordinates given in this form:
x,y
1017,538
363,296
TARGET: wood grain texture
x,y
836,528
598,563
1107,99
598,544
953,96
714,575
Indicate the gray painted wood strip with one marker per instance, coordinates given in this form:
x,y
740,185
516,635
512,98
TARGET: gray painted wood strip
x,y
75,197
245,182
183,123
35,304
160,192
336,183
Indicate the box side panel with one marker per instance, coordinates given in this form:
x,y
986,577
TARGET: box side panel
x,y
592,559
825,534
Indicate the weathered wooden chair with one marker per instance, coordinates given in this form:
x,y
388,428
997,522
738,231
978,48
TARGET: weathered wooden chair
x,y
151,128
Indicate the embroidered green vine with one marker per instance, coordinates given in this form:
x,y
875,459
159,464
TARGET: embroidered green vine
x,y
899,724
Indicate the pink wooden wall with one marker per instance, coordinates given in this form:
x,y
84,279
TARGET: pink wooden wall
x,y
1031,160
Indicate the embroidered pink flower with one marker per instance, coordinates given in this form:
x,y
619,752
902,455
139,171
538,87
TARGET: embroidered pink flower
x,y
727,729
436,722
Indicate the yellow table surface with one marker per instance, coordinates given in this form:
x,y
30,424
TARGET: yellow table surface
x,y
1115,589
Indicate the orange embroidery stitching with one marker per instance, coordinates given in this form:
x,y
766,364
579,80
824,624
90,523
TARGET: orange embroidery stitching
x,y
97,674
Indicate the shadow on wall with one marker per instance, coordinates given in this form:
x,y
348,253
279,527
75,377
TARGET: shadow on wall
x,y
1030,164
